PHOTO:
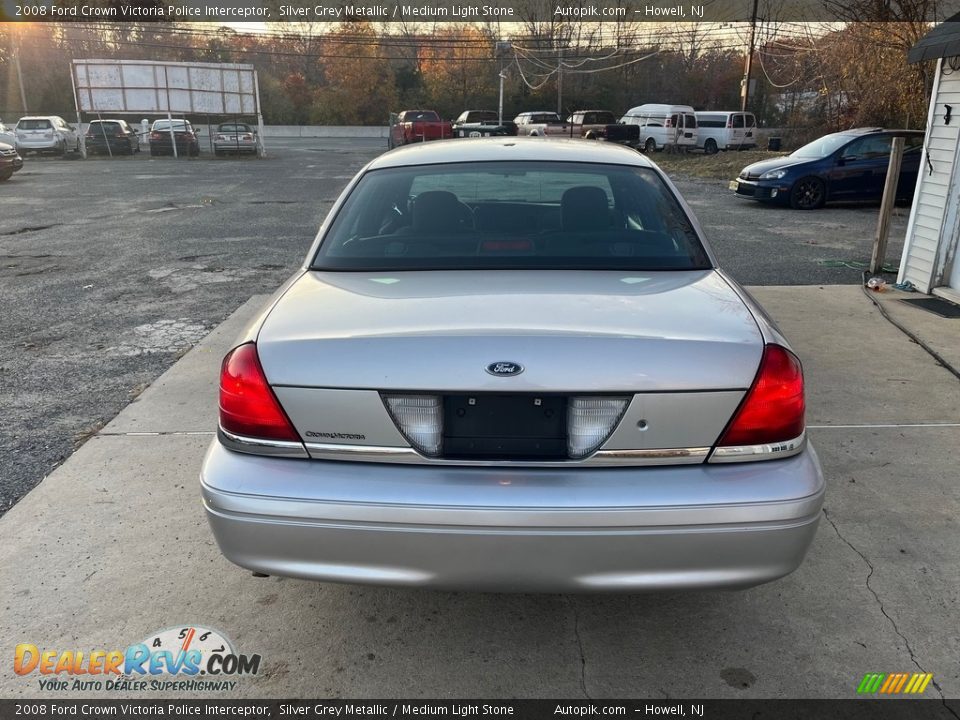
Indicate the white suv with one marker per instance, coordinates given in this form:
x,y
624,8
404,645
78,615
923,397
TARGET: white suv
x,y
47,132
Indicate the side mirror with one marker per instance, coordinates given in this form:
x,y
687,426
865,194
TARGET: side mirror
x,y
844,159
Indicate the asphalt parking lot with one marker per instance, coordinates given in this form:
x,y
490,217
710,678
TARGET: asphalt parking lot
x,y
137,260
113,267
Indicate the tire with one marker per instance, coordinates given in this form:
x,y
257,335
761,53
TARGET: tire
x,y
650,146
153,152
5,176
390,144
808,193
710,146
62,151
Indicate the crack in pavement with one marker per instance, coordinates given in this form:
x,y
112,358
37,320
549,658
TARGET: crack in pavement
x,y
883,610
583,657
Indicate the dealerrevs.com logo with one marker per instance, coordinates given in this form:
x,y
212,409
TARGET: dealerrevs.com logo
x,y
189,658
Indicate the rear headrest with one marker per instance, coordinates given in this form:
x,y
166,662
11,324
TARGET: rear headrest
x,y
437,211
584,208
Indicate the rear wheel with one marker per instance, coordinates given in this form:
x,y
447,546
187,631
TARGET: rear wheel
x,y
5,176
710,146
62,150
650,146
808,193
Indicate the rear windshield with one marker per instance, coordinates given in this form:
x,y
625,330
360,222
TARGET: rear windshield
x,y
511,215
34,125
165,125
234,128
425,115
97,126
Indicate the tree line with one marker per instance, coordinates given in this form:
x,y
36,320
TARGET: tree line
x,y
356,73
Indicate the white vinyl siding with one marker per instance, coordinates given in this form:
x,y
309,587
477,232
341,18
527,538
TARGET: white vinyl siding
x,y
934,190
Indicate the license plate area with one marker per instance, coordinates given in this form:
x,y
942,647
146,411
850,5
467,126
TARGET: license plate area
x,y
513,427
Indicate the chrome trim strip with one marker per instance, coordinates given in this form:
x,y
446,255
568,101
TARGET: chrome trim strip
x,y
258,446
609,458
748,453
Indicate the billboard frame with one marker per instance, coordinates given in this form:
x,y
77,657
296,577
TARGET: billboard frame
x,y
201,99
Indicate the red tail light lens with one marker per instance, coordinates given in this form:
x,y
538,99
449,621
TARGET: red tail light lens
x,y
155,135
248,406
773,410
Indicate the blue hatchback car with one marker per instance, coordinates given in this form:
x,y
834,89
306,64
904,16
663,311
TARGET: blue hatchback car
x,y
848,165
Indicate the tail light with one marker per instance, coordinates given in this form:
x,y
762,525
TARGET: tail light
x,y
155,135
248,406
590,420
730,122
770,420
420,419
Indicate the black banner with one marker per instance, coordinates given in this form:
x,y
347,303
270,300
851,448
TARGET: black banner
x,y
888,709
470,11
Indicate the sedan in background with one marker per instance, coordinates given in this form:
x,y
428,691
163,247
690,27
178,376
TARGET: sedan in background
x,y
161,138
10,161
235,138
849,165
47,133
115,137
513,365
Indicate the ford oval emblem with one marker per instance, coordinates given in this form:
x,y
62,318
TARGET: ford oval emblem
x,y
504,369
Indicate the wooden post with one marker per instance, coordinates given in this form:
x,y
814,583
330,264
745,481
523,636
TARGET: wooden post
x,y
886,206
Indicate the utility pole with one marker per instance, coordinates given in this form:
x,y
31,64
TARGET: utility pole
x,y
501,49
748,70
560,84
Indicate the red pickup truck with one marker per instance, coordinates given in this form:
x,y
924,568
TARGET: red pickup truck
x,y
412,126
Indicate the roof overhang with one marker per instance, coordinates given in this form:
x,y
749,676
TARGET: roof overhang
x,y
943,41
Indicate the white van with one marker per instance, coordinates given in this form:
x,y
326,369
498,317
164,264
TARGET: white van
x,y
726,130
663,125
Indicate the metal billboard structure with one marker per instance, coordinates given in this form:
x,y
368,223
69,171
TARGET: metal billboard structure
x,y
137,87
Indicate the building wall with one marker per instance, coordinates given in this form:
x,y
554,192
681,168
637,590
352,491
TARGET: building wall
x,y
937,191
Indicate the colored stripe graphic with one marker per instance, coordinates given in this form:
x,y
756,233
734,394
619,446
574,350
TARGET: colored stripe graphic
x,y
894,683
870,683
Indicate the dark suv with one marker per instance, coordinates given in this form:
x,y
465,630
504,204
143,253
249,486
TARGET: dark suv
x,y
113,136
161,143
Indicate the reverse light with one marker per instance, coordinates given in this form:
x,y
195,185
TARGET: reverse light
x,y
248,406
420,419
590,420
770,420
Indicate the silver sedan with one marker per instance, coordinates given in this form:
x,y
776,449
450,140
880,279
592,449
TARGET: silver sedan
x,y
513,365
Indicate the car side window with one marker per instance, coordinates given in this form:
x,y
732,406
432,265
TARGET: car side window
x,y
869,148
738,121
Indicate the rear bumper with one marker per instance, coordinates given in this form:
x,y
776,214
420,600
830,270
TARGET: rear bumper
x,y
38,144
536,530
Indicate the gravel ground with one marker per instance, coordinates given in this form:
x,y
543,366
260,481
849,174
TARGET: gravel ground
x,y
111,269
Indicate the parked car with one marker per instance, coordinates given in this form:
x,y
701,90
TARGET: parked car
x,y
513,364
588,124
47,133
662,126
412,126
10,161
726,130
111,136
187,141
7,135
848,165
530,123
234,137
482,123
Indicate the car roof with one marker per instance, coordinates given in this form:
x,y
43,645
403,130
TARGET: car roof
x,y
505,149
103,120
885,131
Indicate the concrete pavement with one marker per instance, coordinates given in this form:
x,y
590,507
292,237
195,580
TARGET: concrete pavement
x,y
113,545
